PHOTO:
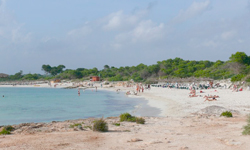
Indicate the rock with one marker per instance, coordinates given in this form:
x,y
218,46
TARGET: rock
x,y
214,110
135,140
183,148
155,142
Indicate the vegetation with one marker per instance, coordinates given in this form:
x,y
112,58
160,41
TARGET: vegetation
x,y
127,117
130,118
9,128
140,120
116,124
75,125
226,114
237,68
87,127
4,132
246,130
100,125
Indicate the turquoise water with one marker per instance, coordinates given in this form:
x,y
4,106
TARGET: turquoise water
x,y
22,105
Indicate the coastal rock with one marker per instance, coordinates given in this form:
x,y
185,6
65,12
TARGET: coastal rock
x,y
135,140
214,110
155,142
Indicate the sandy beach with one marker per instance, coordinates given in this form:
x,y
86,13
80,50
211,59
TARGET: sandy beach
x,y
183,123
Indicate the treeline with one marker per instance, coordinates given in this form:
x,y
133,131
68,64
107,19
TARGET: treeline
x,y
237,68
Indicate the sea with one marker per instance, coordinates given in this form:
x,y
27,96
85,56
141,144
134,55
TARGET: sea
x,y
25,105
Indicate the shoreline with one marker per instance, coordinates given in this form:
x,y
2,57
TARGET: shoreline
x,y
175,102
184,123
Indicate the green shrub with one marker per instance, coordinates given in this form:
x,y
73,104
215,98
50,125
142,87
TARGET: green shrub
x,y
227,114
75,125
237,77
116,124
4,132
9,128
125,117
246,130
132,119
248,79
87,127
140,120
100,125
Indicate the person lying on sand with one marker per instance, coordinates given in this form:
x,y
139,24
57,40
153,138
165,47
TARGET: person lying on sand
x,y
192,92
211,96
194,95
210,99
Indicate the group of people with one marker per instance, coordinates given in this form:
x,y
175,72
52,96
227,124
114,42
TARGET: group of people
x,y
207,97
235,88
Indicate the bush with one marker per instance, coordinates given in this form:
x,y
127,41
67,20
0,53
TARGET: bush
x,y
9,128
127,117
75,125
87,127
130,118
100,125
246,130
4,132
227,114
237,77
116,124
140,120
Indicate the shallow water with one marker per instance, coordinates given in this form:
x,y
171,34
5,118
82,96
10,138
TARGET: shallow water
x,y
21,105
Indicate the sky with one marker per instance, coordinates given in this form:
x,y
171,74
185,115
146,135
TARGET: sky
x,y
94,33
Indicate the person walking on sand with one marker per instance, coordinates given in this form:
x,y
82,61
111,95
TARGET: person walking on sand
x,y
96,88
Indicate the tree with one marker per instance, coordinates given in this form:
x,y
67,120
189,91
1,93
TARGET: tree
x,y
106,67
17,76
240,57
53,70
46,69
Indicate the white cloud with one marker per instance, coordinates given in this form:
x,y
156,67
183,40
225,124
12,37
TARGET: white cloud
x,y
120,21
228,35
197,8
11,30
83,31
147,31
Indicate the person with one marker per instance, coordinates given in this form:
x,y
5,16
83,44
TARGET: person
x,y
142,89
128,93
193,95
213,99
137,88
96,88
79,92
